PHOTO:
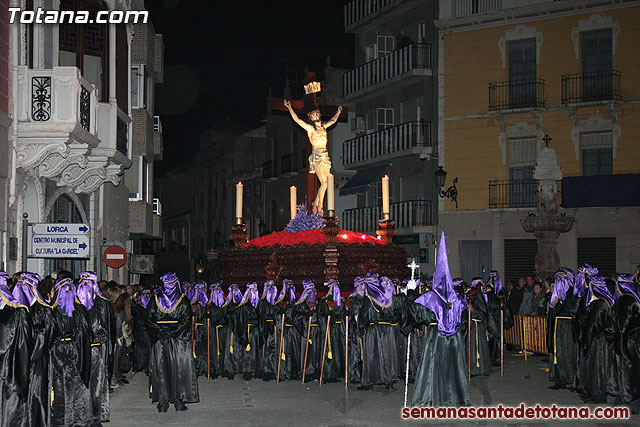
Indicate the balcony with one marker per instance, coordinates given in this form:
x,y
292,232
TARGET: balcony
x,y
410,214
591,87
141,218
409,138
601,191
512,194
289,165
361,12
473,7
158,147
63,132
516,94
157,218
405,63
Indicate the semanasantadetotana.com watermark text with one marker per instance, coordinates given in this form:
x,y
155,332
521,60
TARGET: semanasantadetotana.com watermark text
x,y
41,16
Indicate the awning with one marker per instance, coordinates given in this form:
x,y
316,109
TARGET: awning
x,y
361,180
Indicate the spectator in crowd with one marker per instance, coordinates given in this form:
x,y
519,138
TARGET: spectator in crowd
x,y
532,300
530,281
514,296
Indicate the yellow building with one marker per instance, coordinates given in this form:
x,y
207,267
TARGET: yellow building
x,y
512,72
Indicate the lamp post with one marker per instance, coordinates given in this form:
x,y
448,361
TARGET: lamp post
x,y
199,271
449,193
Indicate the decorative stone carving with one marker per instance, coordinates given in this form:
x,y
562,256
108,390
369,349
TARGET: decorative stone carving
x,y
595,22
519,130
520,32
596,123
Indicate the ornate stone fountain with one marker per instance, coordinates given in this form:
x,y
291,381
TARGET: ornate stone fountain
x,y
546,223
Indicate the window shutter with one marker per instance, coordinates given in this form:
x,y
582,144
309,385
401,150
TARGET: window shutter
x,y
519,258
598,251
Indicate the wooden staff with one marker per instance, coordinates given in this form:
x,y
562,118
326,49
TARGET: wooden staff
x,y
406,374
501,335
330,304
347,303
306,351
209,348
281,348
469,336
193,333
524,340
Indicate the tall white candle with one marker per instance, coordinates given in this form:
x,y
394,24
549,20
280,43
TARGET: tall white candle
x,y
330,193
294,200
239,188
385,198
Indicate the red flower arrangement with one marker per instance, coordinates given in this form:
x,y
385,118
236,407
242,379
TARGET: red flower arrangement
x,y
310,237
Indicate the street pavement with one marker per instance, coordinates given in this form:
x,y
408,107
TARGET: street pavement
x,y
260,403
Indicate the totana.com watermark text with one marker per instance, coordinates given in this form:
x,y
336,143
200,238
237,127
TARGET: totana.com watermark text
x,y
41,16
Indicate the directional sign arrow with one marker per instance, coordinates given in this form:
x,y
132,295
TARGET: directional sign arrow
x,y
82,246
60,229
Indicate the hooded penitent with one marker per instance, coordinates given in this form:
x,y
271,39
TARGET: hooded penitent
x,y
626,286
497,281
358,287
376,291
599,290
334,291
251,294
584,273
388,284
560,287
170,294
5,293
288,291
65,296
93,278
217,295
234,294
269,291
308,292
477,283
85,292
443,299
25,292
200,296
145,297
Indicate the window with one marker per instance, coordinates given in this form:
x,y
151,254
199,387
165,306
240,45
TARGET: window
x,y
522,160
597,154
384,45
183,235
137,180
522,73
174,234
597,79
384,118
164,239
519,258
138,86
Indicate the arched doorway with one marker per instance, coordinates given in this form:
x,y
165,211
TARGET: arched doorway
x,y
64,210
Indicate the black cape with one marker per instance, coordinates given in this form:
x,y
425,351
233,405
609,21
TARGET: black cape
x,y
378,327
102,324
627,319
200,339
442,376
39,401
482,324
291,357
302,312
418,336
71,363
598,370
561,341
270,324
172,369
16,340
142,344
334,357
356,349
218,335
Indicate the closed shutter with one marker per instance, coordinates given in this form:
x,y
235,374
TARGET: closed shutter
x,y
519,258
599,252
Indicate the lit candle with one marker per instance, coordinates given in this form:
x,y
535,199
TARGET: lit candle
x,y
385,198
330,195
238,201
294,201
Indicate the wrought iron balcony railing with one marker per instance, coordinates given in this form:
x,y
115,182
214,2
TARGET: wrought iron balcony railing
x,y
589,87
415,57
407,214
528,93
288,164
519,193
157,124
472,7
358,10
391,142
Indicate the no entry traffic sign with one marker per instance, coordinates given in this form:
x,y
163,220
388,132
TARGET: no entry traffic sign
x,y
115,256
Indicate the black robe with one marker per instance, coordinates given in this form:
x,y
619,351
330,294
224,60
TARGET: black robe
x,y
627,318
102,324
200,339
71,363
142,344
243,321
598,334
561,341
39,400
494,309
291,357
172,370
482,324
356,349
233,351
218,325
270,323
377,327
16,343
578,313
302,312
334,356
441,379
418,337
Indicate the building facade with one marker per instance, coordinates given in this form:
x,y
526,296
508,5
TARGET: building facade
x,y
513,76
392,94
70,134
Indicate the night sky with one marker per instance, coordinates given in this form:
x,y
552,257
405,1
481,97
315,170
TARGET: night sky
x,y
222,56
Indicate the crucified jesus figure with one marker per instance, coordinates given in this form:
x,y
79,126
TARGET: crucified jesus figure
x,y
319,161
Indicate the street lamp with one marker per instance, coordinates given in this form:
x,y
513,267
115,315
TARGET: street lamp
x,y
449,193
199,270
